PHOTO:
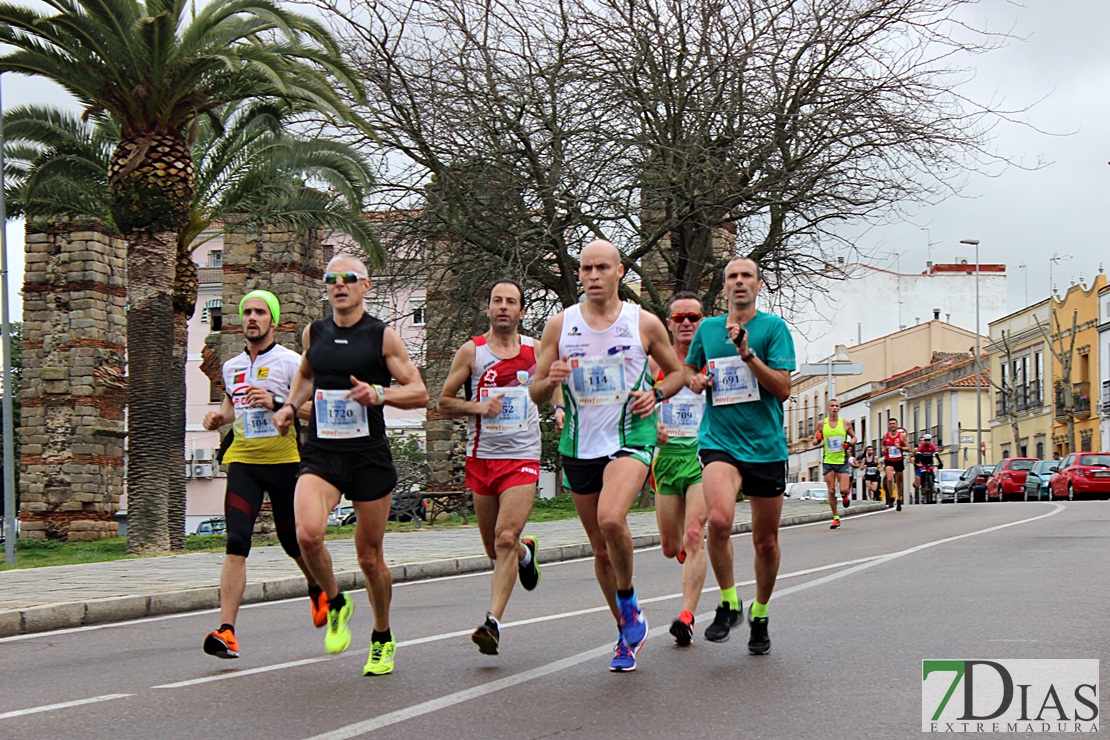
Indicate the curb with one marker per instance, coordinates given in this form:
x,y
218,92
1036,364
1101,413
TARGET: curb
x,y
72,614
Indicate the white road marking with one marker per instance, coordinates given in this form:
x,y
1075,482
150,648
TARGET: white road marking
x,y
63,705
443,702
239,674
392,718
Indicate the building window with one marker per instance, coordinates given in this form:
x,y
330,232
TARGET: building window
x,y
1040,450
216,258
418,314
215,392
213,314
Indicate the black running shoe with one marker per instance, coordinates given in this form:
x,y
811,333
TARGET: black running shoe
x,y
682,629
529,574
899,506
759,643
487,637
724,620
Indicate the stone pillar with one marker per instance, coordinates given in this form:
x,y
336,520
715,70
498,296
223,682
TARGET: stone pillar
x,y
290,264
74,383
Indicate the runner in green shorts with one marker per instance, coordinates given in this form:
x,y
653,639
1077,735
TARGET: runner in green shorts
x,y
676,472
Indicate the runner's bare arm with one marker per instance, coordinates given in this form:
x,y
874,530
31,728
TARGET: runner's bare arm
x,y
449,402
213,420
654,337
411,392
301,390
551,370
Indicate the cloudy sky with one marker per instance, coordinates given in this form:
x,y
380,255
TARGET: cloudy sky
x,y
1022,218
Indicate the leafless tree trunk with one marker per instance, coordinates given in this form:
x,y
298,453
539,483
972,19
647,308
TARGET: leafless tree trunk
x,y
1064,358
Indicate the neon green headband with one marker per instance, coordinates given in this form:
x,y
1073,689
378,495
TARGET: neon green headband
x,y
271,301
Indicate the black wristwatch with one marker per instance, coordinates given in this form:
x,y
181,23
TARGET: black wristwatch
x,y
278,402
658,395
748,357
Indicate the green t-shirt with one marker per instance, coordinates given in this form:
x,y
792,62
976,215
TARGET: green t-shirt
x,y
749,431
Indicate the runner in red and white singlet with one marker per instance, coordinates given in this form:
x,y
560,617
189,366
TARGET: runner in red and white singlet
x,y
896,443
502,446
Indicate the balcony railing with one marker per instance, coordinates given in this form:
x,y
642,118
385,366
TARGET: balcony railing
x,y
1080,398
1025,396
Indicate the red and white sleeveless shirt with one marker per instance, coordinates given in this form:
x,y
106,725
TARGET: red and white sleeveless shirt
x,y
892,444
486,438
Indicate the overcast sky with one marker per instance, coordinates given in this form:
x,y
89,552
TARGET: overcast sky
x,y
1020,217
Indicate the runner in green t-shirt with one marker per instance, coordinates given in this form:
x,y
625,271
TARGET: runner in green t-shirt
x,y
747,358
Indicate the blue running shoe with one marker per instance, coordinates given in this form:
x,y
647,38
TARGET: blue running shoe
x,y
634,626
624,658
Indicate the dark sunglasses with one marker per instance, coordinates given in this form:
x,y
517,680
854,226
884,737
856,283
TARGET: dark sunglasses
x,y
331,278
693,318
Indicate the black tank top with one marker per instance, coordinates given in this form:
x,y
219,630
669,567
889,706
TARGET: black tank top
x,y
336,353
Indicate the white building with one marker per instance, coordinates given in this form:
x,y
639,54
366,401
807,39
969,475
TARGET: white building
x,y
873,302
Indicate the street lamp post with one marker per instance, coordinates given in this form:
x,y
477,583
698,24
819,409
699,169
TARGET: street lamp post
x,y
6,347
978,369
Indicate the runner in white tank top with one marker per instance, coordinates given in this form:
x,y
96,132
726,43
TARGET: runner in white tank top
x,y
502,446
606,367
597,352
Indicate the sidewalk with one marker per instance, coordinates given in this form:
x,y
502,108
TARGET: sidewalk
x,y
41,599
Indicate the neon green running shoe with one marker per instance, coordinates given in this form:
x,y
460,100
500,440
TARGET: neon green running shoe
x,y
339,637
380,661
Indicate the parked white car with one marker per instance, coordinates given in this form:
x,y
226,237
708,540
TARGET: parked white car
x,y
339,513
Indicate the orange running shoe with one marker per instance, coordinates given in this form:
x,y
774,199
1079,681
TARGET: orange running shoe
x,y
222,644
319,608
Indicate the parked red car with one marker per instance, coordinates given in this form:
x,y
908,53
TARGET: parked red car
x,y
1008,480
1082,475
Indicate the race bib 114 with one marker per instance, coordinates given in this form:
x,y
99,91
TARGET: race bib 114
x,y
598,380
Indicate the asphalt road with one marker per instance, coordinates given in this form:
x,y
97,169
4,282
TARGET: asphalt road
x,y
854,614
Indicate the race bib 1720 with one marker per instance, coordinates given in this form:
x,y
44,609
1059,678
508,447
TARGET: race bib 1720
x,y
338,417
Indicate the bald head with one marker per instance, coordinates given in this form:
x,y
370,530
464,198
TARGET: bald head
x,y
601,248
344,262
600,270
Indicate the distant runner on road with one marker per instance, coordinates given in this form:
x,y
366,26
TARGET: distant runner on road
x,y
836,437
896,443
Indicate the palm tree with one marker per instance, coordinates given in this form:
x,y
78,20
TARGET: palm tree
x,y
157,71
250,172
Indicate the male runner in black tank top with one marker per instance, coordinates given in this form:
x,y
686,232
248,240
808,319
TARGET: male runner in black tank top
x,y
348,362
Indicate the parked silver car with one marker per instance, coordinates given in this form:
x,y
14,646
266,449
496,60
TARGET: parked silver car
x,y
946,484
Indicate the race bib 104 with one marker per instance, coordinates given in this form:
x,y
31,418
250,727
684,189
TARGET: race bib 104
x,y
681,416
894,453
733,381
514,410
338,417
258,423
598,381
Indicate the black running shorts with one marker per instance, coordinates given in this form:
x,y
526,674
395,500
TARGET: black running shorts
x,y
761,480
362,475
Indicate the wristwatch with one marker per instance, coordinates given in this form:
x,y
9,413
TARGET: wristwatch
x,y
658,395
278,402
748,357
